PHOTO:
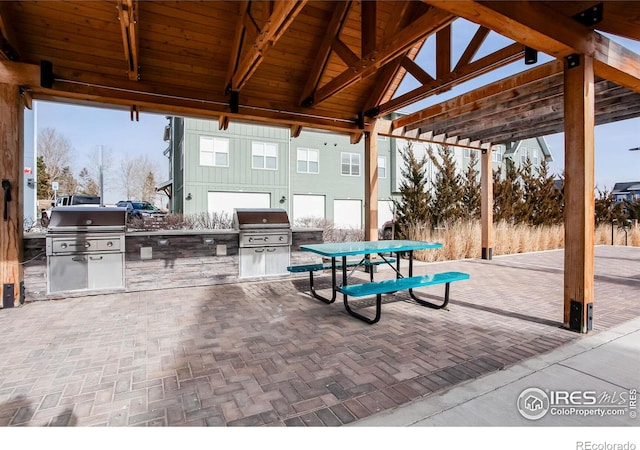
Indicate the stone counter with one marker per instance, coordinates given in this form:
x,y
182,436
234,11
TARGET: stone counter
x,y
164,259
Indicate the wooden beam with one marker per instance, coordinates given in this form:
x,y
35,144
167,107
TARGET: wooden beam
x,y
579,187
322,56
473,47
486,203
540,27
283,14
128,16
371,185
486,92
238,36
344,52
483,65
11,223
20,74
401,42
416,71
295,131
368,27
443,52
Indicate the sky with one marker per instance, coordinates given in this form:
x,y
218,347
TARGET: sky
x,y
89,127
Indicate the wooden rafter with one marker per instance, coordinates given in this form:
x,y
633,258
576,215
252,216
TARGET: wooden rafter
x,y
443,52
490,62
473,47
425,25
319,63
284,12
241,29
128,16
368,27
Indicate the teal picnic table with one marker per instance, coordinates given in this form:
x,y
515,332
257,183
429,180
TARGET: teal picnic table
x,y
338,252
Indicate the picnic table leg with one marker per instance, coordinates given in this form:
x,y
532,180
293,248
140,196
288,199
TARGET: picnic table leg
x,y
346,301
422,301
333,285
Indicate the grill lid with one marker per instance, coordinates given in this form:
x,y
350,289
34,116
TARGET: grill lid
x,y
260,218
85,218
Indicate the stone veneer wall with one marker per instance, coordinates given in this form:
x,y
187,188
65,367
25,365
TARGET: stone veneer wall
x,y
177,259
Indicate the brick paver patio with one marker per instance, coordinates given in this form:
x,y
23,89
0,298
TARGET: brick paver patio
x,y
266,353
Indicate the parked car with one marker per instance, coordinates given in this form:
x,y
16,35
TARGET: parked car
x,y
140,209
68,200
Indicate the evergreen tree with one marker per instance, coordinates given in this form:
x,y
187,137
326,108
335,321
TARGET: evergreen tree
x,y
549,204
530,195
606,208
633,209
445,207
68,183
507,194
43,187
471,190
413,207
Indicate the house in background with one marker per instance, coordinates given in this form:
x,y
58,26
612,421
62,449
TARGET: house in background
x,y
626,191
315,175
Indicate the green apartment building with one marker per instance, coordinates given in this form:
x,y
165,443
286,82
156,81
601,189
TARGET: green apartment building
x,y
316,175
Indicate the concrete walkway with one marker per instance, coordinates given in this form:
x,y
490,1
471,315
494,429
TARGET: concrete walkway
x,y
267,354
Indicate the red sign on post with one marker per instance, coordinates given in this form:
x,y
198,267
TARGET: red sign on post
x,y
28,170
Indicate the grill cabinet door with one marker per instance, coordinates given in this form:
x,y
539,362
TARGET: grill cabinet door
x,y
277,260
105,270
252,261
67,273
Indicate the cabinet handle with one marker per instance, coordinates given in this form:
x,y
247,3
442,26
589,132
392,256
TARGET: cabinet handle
x,y
271,250
78,258
95,258
259,250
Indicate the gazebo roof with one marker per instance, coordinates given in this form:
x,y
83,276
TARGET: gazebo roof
x,y
333,65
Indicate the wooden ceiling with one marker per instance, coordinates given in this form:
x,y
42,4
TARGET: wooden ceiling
x,y
333,65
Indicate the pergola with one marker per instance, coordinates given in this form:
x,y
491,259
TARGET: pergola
x,y
333,65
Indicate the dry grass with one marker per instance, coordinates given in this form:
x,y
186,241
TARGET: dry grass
x,y
463,240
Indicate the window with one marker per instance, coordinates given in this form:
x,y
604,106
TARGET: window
x,y
535,157
308,160
497,154
467,153
351,164
264,156
214,151
382,167
524,155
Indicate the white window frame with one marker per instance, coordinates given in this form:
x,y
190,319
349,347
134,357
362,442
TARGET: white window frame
x,y
535,157
352,156
308,152
524,154
219,146
264,150
382,167
497,155
467,153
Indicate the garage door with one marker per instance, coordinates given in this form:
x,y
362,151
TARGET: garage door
x,y
224,202
347,214
306,207
385,211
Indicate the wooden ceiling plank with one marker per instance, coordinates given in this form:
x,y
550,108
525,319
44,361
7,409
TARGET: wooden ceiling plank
x,y
473,47
483,65
319,63
425,25
283,14
128,16
8,40
368,25
546,70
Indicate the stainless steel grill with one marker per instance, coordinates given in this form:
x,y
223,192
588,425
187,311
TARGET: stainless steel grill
x,y
85,248
264,241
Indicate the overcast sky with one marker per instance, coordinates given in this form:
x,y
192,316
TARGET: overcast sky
x,y
87,128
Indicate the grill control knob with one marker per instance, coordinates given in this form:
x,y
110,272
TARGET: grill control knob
x,y
109,244
87,244
266,238
63,245
250,239
281,238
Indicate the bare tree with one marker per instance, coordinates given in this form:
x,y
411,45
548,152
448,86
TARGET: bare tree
x,y
56,152
95,161
136,177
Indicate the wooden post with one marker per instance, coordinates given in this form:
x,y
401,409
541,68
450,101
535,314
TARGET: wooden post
x,y
579,223
11,228
486,203
371,185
